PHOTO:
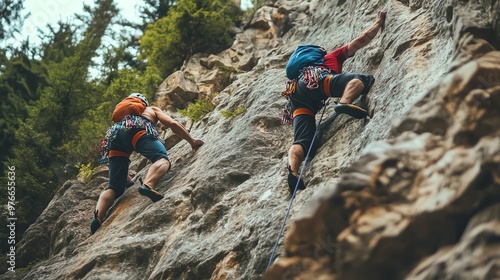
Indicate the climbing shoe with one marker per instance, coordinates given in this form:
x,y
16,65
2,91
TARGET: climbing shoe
x,y
95,224
350,109
292,179
150,192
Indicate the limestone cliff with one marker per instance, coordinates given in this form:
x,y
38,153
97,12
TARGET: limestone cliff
x,y
413,192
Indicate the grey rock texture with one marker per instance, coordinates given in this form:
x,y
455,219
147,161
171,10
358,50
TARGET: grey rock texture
x,y
411,192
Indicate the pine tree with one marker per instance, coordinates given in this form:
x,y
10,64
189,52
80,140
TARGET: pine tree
x,y
190,27
20,80
154,10
42,151
11,20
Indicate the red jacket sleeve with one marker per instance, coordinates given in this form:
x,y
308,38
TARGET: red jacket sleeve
x,y
335,59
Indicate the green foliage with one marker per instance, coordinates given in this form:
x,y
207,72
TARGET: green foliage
x,y
229,114
35,174
85,171
20,81
85,147
153,10
61,45
130,80
189,27
161,46
11,20
196,111
119,57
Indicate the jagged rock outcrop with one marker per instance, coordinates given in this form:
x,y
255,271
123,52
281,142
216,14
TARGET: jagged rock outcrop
x,y
177,91
411,192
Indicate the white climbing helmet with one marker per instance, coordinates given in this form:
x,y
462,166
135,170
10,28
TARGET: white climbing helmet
x,y
140,96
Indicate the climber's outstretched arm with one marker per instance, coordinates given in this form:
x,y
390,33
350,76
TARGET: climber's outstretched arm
x,y
366,36
177,128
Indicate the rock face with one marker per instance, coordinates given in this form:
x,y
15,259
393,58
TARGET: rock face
x,y
413,192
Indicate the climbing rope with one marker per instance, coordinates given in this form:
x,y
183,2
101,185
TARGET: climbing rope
x,y
296,186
